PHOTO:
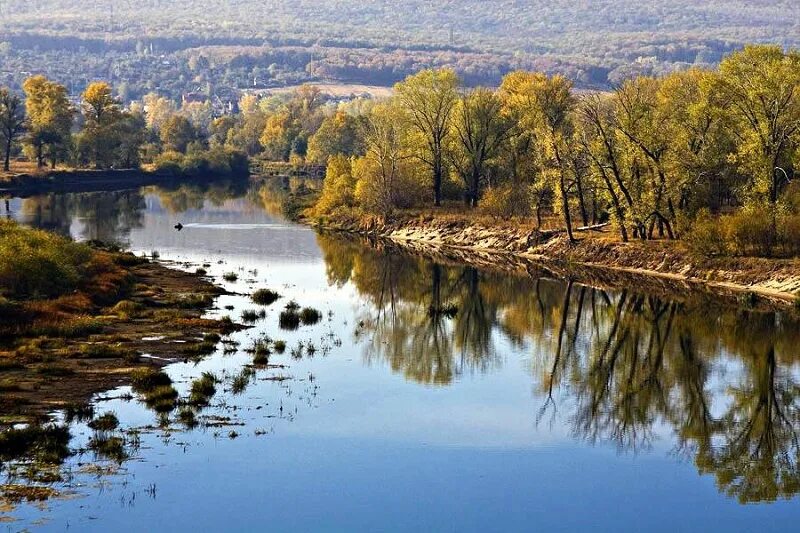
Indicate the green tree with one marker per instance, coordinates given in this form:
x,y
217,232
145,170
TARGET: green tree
x,y
12,122
762,86
546,107
429,98
481,129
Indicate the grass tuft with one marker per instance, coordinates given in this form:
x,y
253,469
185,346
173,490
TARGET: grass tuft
x,y
265,297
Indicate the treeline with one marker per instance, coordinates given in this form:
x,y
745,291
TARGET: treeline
x,y
656,156
44,125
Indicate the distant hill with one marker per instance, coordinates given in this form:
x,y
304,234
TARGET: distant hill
x,y
148,44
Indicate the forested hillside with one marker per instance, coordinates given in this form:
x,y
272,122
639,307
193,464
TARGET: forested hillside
x,y
149,45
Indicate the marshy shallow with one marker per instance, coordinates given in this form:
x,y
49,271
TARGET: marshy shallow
x,y
412,395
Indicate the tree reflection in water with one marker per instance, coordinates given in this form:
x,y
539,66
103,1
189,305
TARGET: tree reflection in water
x,y
619,367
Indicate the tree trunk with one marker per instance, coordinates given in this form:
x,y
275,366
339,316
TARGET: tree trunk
x,y
437,180
565,207
7,159
581,201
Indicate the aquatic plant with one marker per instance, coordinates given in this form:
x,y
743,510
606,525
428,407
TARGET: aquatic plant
x,y
289,317
310,316
78,412
187,417
47,443
106,422
144,379
202,389
111,448
161,399
252,315
279,346
265,297
240,381
230,277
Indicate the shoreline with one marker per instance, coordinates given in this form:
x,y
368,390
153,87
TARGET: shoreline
x,y
514,246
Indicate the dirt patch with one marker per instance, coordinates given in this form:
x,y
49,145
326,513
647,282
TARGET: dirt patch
x,y
43,372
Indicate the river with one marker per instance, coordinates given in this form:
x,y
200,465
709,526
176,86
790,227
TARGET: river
x,y
429,396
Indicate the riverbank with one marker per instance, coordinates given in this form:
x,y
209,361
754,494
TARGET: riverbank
x,y
512,244
132,313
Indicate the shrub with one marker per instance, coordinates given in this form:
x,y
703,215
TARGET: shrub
x,y
199,162
379,193
789,233
506,201
750,231
38,264
169,163
706,236
127,309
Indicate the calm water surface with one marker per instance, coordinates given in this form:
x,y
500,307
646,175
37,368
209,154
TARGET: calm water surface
x,y
431,397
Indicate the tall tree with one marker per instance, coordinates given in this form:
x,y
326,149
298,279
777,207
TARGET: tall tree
x,y
50,118
177,133
12,122
481,129
762,84
99,139
429,98
546,107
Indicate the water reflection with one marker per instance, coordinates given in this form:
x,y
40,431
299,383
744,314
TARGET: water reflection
x,y
720,385
622,367
110,216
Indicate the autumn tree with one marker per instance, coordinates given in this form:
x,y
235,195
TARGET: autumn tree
x,y
50,118
429,98
640,121
480,130
545,108
177,133
158,110
12,122
762,86
339,133
338,190
386,176
250,124
600,143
